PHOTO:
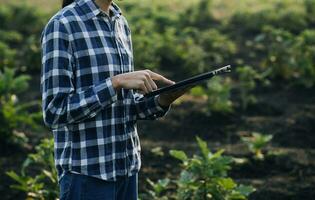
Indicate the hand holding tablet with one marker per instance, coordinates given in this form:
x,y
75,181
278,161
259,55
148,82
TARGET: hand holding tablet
x,y
189,83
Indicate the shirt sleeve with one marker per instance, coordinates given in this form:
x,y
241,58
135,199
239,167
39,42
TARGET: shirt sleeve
x,y
149,108
61,103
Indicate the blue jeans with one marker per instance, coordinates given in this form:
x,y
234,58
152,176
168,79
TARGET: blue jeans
x,y
81,187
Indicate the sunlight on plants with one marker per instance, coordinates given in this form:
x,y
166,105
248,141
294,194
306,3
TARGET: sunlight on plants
x,y
256,142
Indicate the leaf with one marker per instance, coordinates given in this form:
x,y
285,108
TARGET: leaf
x,y
180,155
245,190
236,196
217,154
49,175
19,187
157,151
203,147
185,177
227,183
164,182
198,91
150,182
25,164
260,38
158,187
16,177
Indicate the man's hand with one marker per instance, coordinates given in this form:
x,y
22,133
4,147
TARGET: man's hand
x,y
168,98
139,80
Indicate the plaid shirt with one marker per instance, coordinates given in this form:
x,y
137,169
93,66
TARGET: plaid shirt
x,y
94,126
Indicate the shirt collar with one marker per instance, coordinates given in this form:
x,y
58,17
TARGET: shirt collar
x,y
91,9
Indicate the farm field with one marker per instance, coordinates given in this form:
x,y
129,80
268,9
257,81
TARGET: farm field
x,y
270,95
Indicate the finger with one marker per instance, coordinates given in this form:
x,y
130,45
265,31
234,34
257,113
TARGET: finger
x,y
147,84
158,77
152,83
143,88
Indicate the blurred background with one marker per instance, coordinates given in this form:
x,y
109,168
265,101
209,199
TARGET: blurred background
x,y
262,115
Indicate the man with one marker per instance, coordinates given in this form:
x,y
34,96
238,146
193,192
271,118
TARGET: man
x,y
91,100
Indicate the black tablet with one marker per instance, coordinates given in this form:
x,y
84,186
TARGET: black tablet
x,y
190,81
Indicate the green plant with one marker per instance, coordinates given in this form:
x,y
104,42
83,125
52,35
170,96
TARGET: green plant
x,y
310,9
6,55
144,47
203,177
200,15
219,93
9,84
305,51
247,77
21,25
288,57
256,142
198,50
218,47
14,116
198,91
278,47
280,15
158,189
44,184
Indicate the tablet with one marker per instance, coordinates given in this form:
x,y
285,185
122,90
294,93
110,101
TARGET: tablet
x,y
190,81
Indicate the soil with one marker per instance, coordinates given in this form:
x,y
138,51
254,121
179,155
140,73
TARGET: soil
x,y
288,170
286,173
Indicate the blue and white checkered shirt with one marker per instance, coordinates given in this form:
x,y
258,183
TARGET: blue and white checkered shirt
x,y
94,126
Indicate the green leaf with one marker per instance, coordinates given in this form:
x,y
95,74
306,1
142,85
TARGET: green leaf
x,y
49,175
227,183
180,155
186,177
236,196
151,183
164,182
245,190
157,151
16,177
158,187
203,147
27,162
19,187
217,154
